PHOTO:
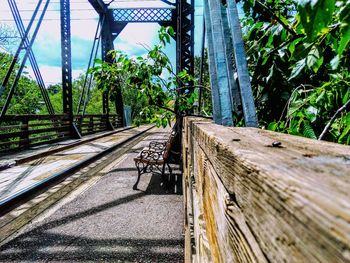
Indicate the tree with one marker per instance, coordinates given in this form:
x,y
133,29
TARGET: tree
x,y
27,98
8,36
161,94
299,62
206,106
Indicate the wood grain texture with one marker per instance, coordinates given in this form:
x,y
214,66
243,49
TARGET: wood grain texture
x,y
269,204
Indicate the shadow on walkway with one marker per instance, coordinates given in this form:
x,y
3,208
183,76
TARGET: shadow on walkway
x,y
109,222
39,244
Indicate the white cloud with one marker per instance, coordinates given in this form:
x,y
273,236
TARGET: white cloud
x,y
145,33
52,75
47,47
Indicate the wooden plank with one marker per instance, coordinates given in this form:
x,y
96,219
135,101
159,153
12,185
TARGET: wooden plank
x,y
229,236
32,117
294,198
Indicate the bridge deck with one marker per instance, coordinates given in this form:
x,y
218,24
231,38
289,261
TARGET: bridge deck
x,y
109,221
20,177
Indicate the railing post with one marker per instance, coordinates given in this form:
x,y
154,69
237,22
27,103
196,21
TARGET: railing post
x,y
91,124
24,138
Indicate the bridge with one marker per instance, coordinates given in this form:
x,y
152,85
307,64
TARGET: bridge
x,y
233,194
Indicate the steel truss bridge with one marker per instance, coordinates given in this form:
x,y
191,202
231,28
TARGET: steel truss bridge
x,y
231,91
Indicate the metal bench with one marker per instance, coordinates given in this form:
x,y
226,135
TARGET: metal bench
x,y
154,158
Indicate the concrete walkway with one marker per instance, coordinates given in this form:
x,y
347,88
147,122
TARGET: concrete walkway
x,y
109,222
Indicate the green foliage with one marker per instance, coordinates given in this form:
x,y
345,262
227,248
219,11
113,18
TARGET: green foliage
x,y
27,98
148,83
299,60
206,107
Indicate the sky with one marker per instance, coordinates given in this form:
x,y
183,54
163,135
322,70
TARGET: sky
x,y
47,49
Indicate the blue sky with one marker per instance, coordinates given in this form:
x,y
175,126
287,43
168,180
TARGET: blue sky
x,y
83,25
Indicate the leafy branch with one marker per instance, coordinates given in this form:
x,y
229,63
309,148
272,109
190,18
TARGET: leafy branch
x,y
341,109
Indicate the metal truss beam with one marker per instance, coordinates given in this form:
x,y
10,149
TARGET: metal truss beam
x,y
131,15
21,29
109,32
241,65
99,6
22,45
185,36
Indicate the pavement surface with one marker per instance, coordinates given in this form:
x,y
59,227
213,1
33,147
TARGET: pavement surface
x,y
108,221
24,176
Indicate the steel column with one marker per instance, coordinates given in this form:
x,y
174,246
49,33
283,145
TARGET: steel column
x,y
67,66
235,95
220,56
185,36
241,64
201,69
212,67
107,45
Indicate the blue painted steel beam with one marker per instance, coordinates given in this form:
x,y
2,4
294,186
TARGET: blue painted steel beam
x,y
248,105
99,6
221,63
235,95
21,46
212,67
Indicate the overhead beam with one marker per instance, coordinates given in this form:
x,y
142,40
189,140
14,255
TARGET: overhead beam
x,y
144,14
99,6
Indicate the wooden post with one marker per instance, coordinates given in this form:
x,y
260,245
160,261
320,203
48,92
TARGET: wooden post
x,y
24,138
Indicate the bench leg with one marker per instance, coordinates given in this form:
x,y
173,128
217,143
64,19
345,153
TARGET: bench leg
x,y
165,182
170,170
138,177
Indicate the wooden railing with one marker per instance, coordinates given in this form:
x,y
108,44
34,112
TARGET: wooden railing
x,y
253,195
22,131
92,123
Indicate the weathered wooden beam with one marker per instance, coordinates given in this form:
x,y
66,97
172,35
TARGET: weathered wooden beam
x,y
262,196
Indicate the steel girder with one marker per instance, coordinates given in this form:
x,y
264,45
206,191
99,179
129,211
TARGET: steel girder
x,y
67,66
144,15
185,36
224,39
